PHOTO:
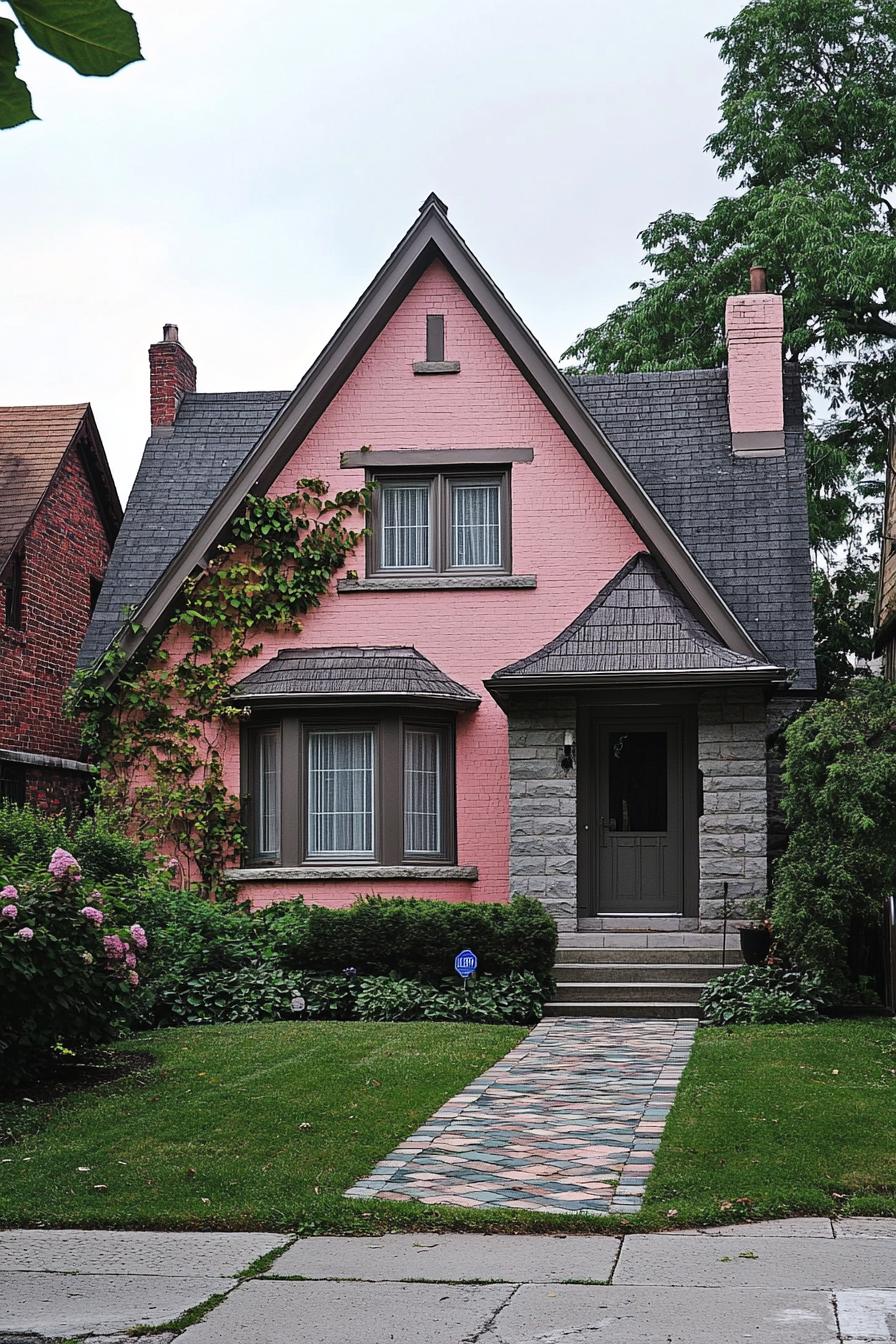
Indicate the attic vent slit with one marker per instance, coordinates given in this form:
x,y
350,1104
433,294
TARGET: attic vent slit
x,y
435,337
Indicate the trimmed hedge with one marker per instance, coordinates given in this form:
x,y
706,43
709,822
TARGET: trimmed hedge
x,y
420,938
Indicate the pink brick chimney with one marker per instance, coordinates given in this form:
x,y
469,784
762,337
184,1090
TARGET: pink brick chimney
x,y
754,330
171,374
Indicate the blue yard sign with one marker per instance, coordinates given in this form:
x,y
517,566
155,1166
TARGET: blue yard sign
x,y
465,963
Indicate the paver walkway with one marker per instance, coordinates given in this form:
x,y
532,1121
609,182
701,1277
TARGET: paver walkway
x,y
797,1281
568,1122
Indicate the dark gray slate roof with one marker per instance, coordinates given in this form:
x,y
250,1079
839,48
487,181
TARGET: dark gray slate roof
x,y
743,519
182,473
637,623
352,671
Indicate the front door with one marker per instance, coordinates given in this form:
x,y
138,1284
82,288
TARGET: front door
x,y
638,822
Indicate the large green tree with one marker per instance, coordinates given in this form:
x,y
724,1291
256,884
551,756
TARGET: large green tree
x,y
94,37
808,134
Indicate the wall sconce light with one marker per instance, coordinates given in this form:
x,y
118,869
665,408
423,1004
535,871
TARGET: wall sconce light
x,y
568,753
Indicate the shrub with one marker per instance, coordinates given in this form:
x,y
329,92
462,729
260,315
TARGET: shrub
x,y
246,995
760,994
517,997
419,938
68,963
840,805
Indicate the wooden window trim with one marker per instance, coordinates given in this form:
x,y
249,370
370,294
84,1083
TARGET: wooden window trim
x,y
441,485
388,727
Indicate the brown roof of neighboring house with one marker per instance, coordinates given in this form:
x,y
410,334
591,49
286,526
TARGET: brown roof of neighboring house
x,y
33,442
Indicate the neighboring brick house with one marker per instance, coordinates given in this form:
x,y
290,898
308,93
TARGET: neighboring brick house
x,y
581,604
59,517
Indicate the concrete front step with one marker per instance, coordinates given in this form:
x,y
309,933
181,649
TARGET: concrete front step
x,y
646,938
620,1009
633,956
634,972
583,991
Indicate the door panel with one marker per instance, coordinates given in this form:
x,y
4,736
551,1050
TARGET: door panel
x,y
639,818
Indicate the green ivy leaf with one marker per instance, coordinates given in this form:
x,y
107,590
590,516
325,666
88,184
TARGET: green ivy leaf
x,y
94,37
15,100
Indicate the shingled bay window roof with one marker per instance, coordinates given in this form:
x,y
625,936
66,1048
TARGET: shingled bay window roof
x,y
637,626
351,673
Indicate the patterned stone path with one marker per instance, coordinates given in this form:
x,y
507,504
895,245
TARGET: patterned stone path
x,y
568,1122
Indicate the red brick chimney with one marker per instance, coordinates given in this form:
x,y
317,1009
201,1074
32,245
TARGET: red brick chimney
x,y
171,374
754,330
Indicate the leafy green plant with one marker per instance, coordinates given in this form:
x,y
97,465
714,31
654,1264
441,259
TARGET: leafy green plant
x,y
157,724
94,37
840,806
760,994
250,994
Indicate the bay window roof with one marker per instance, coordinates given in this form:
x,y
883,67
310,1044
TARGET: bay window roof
x,y
341,673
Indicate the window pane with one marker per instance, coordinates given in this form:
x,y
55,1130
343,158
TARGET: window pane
x,y
405,533
422,792
340,793
637,781
267,793
476,525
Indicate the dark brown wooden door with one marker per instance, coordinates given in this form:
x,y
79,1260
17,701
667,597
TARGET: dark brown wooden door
x,y
638,836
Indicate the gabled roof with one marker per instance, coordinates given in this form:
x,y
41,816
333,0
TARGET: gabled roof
x,y
33,442
350,672
637,627
433,238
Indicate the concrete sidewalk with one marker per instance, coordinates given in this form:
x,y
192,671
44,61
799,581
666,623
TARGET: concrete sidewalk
x,y
802,1281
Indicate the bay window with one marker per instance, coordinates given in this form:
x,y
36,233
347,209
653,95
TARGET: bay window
x,y
370,789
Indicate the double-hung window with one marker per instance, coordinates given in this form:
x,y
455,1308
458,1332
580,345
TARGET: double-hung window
x,y
444,522
375,789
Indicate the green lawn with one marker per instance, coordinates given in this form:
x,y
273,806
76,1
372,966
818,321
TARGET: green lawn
x,y
264,1126
789,1118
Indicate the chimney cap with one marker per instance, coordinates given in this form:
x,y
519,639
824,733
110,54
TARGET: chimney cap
x,y
170,333
757,280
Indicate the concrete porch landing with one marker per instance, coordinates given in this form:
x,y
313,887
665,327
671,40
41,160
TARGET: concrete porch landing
x,y
568,1122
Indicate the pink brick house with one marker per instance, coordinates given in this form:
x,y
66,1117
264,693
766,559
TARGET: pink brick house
x,y
553,665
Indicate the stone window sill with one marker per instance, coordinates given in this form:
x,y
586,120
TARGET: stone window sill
x,y
448,872
426,366
428,582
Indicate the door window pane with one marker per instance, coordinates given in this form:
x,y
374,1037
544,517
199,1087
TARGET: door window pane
x,y
340,793
405,539
476,526
422,792
267,793
637,781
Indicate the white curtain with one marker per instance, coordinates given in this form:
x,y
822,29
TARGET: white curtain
x,y
267,800
340,793
476,526
405,534
422,792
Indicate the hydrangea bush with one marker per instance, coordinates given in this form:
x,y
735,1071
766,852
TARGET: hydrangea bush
x,y
69,964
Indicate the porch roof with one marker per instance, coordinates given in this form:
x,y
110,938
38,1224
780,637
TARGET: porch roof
x,y
637,628
351,672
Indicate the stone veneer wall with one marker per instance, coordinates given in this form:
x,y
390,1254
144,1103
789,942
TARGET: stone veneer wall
x,y
543,810
731,751
732,727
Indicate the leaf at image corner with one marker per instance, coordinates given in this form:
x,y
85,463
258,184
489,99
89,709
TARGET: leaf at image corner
x,y
94,37
15,100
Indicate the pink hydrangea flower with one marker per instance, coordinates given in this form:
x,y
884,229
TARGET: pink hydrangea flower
x,y
9,911
133,978
64,866
96,897
130,960
25,934
90,912
115,948
138,933
8,894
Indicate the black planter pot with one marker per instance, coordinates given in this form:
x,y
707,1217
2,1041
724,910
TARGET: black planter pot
x,y
755,945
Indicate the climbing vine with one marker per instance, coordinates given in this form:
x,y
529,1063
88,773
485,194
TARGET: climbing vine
x,y
157,724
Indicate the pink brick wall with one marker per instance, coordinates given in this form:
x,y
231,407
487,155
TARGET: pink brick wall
x,y
566,531
754,327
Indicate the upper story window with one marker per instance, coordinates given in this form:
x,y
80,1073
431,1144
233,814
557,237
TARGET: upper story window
x,y
441,523
12,584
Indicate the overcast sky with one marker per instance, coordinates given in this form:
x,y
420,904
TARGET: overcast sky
x,y
250,176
